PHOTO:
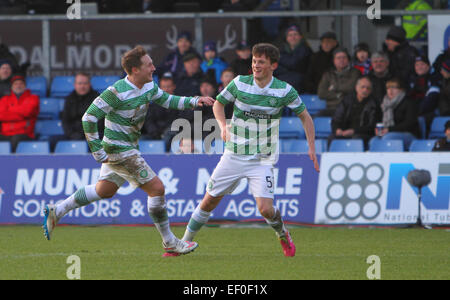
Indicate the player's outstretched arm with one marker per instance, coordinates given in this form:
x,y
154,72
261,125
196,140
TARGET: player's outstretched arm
x,y
169,101
308,125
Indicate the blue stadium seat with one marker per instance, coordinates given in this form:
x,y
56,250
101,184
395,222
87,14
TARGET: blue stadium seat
x,y
32,147
71,147
61,104
49,109
300,146
313,103
46,128
437,127
61,86
101,83
152,146
422,127
322,126
323,146
379,145
291,128
347,145
422,145
5,147
37,85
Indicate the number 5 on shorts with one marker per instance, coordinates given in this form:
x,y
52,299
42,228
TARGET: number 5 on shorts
x,y
269,182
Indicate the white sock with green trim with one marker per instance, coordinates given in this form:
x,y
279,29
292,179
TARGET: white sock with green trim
x,y
277,222
157,210
81,197
198,219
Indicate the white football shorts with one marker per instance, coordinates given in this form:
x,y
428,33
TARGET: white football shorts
x,y
133,169
229,172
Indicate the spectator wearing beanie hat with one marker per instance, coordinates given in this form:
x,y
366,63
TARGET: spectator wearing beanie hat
x,y
424,87
337,82
320,61
242,64
212,61
174,60
444,98
18,113
6,71
294,59
402,55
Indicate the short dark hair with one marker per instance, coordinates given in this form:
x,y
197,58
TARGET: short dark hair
x,y
268,50
132,58
167,79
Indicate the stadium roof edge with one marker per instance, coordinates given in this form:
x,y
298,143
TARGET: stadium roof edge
x,y
317,13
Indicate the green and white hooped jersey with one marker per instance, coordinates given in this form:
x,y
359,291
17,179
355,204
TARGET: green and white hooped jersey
x,y
124,107
257,111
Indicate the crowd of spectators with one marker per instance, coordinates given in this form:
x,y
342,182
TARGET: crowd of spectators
x,y
393,86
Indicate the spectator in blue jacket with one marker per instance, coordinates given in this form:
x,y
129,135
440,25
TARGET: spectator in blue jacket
x,y
212,61
294,58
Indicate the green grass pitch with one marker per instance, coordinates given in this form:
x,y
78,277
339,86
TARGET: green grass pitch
x,y
225,253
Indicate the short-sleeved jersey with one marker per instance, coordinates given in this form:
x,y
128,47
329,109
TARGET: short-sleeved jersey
x,y
257,112
124,107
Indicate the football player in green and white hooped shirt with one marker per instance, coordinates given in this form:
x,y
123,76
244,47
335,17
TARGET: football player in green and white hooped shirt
x,y
124,106
251,141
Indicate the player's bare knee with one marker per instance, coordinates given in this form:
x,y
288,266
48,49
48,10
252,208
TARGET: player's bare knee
x,y
105,189
154,188
159,190
209,202
266,211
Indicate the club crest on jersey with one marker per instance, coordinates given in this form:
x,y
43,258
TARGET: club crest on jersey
x,y
272,101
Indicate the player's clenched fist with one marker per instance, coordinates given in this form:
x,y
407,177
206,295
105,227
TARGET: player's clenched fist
x,y
205,101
